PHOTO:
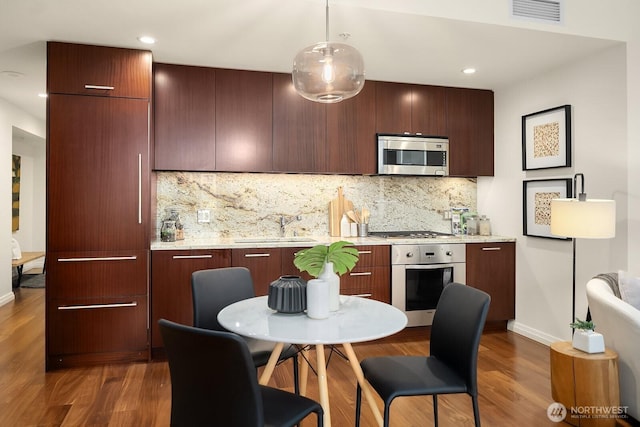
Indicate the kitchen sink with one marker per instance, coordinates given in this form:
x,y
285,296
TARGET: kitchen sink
x,y
275,240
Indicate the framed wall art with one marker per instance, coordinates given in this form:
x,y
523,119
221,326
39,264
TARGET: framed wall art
x,y
546,139
537,196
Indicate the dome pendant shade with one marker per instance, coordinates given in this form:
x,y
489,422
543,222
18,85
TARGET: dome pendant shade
x,y
328,72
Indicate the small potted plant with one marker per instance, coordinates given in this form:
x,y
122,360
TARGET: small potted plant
x,y
326,264
585,338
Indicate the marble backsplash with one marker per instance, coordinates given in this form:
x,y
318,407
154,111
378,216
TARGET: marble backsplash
x,y
250,205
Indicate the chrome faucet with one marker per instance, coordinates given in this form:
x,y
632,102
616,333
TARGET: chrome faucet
x,y
284,222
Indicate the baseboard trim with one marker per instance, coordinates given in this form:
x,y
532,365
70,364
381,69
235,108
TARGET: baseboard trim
x,y
532,333
7,298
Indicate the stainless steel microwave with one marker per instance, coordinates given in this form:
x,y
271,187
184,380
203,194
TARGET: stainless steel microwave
x,y
413,155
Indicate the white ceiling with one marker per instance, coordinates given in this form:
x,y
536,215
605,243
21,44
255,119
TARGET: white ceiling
x,y
402,46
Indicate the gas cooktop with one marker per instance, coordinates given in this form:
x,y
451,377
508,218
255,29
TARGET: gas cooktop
x,y
409,234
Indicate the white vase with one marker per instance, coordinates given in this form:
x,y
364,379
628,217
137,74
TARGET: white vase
x,y
317,299
588,341
327,274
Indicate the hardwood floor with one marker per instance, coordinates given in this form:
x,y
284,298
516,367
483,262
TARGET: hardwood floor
x,y
513,382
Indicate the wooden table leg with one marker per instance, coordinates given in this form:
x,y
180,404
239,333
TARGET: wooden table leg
x,y
322,384
364,385
271,364
304,370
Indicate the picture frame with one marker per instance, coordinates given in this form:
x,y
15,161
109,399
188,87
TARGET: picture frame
x,y
546,139
536,205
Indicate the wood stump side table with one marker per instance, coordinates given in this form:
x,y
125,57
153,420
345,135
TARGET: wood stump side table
x,y
587,382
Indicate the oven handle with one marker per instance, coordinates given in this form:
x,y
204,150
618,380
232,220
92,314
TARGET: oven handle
x,y
428,266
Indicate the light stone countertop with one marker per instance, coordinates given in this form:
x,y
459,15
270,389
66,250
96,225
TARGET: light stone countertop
x,y
283,242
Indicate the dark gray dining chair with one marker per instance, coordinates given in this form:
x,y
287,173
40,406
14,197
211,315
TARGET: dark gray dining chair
x,y
214,383
451,366
213,290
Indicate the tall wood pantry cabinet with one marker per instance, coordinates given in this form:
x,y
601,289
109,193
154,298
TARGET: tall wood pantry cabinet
x,y
98,175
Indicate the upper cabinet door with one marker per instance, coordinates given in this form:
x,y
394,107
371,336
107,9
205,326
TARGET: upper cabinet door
x,y
244,113
98,70
393,107
184,118
299,129
428,110
470,131
351,128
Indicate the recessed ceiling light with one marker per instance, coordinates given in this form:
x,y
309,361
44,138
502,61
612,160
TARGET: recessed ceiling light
x,y
11,74
147,39
469,70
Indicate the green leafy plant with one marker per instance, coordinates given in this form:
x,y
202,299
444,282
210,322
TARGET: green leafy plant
x,y
342,254
583,325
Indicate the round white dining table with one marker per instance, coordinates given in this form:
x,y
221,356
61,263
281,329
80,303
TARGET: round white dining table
x,y
357,320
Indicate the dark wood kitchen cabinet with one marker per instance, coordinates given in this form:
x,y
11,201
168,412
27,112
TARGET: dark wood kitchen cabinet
x,y
371,277
299,129
491,267
98,184
78,69
244,114
351,128
265,265
413,109
184,118
470,130
171,296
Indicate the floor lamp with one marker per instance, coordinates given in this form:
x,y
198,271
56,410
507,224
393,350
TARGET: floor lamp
x,y
582,218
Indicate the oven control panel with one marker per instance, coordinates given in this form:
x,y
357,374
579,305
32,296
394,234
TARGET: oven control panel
x,y
428,254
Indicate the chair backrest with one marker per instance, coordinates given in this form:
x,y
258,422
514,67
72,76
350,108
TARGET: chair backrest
x,y
456,330
213,379
215,289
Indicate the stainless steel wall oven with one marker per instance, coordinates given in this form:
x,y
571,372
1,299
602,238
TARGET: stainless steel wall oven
x,y
419,273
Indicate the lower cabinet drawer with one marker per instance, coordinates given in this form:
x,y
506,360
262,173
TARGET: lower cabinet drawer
x,y
82,275
96,331
370,282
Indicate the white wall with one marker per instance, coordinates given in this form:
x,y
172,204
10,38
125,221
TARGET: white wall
x,y
596,89
31,232
10,117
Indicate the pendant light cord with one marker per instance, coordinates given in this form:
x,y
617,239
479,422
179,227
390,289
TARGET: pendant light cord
x,y
327,22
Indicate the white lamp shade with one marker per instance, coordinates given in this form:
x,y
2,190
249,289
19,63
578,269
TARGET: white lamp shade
x,y
328,72
590,219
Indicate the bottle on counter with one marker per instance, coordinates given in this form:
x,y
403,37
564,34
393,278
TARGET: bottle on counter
x,y
345,228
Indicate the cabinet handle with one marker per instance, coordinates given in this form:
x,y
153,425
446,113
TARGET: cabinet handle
x,y
192,256
256,255
99,87
364,252
109,258
364,273
139,188
92,306
362,295
492,249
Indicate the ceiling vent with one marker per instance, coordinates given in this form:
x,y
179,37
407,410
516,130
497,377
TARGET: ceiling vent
x,y
549,11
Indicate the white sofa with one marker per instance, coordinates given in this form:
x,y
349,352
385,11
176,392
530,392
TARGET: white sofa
x,y
619,323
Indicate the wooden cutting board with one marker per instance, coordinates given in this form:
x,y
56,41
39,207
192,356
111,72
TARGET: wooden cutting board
x,y
337,207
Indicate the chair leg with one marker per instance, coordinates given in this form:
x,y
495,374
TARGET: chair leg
x,y
476,410
435,410
296,380
358,402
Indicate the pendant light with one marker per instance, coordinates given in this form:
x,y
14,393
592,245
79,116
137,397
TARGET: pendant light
x,y
328,72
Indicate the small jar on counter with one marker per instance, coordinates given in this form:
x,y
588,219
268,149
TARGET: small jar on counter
x,y
484,226
168,231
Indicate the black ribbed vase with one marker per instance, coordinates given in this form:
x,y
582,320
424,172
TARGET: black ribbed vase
x,y
288,294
